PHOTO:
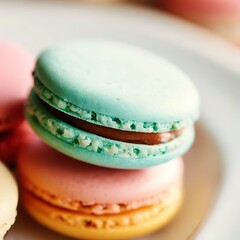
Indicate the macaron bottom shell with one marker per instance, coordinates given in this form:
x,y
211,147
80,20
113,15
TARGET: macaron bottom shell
x,y
78,226
113,154
103,159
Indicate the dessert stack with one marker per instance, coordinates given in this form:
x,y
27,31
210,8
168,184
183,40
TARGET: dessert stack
x,y
113,121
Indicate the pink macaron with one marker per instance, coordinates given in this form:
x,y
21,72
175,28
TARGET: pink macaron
x,y
91,202
11,141
222,16
16,65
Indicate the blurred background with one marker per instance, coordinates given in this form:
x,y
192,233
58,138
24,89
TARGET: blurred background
x,y
219,16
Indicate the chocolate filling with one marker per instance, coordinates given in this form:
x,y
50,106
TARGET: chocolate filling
x,y
115,134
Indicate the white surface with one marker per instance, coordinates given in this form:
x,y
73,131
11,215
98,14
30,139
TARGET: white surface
x,y
212,64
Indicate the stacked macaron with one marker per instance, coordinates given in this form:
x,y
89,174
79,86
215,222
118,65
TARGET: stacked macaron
x,y
16,65
118,109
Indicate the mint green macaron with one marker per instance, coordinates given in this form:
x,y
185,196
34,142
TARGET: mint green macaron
x,y
101,102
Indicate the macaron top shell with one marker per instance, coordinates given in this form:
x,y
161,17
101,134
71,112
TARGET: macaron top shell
x,y
118,80
63,176
16,65
8,196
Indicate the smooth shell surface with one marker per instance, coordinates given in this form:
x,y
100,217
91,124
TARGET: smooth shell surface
x,y
118,80
16,65
60,175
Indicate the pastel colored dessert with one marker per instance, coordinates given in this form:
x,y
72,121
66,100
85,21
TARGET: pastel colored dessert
x,y
91,202
112,104
16,65
8,200
222,16
11,141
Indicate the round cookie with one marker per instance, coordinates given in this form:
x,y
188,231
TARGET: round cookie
x,y
91,202
16,66
112,104
8,201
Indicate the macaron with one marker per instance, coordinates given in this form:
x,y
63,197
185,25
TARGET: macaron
x,y
16,65
8,200
112,104
85,201
11,141
222,16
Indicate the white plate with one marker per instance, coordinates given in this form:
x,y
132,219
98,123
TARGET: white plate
x,y
213,66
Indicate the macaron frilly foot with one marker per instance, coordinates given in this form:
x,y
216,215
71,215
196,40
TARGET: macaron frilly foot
x,y
112,105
